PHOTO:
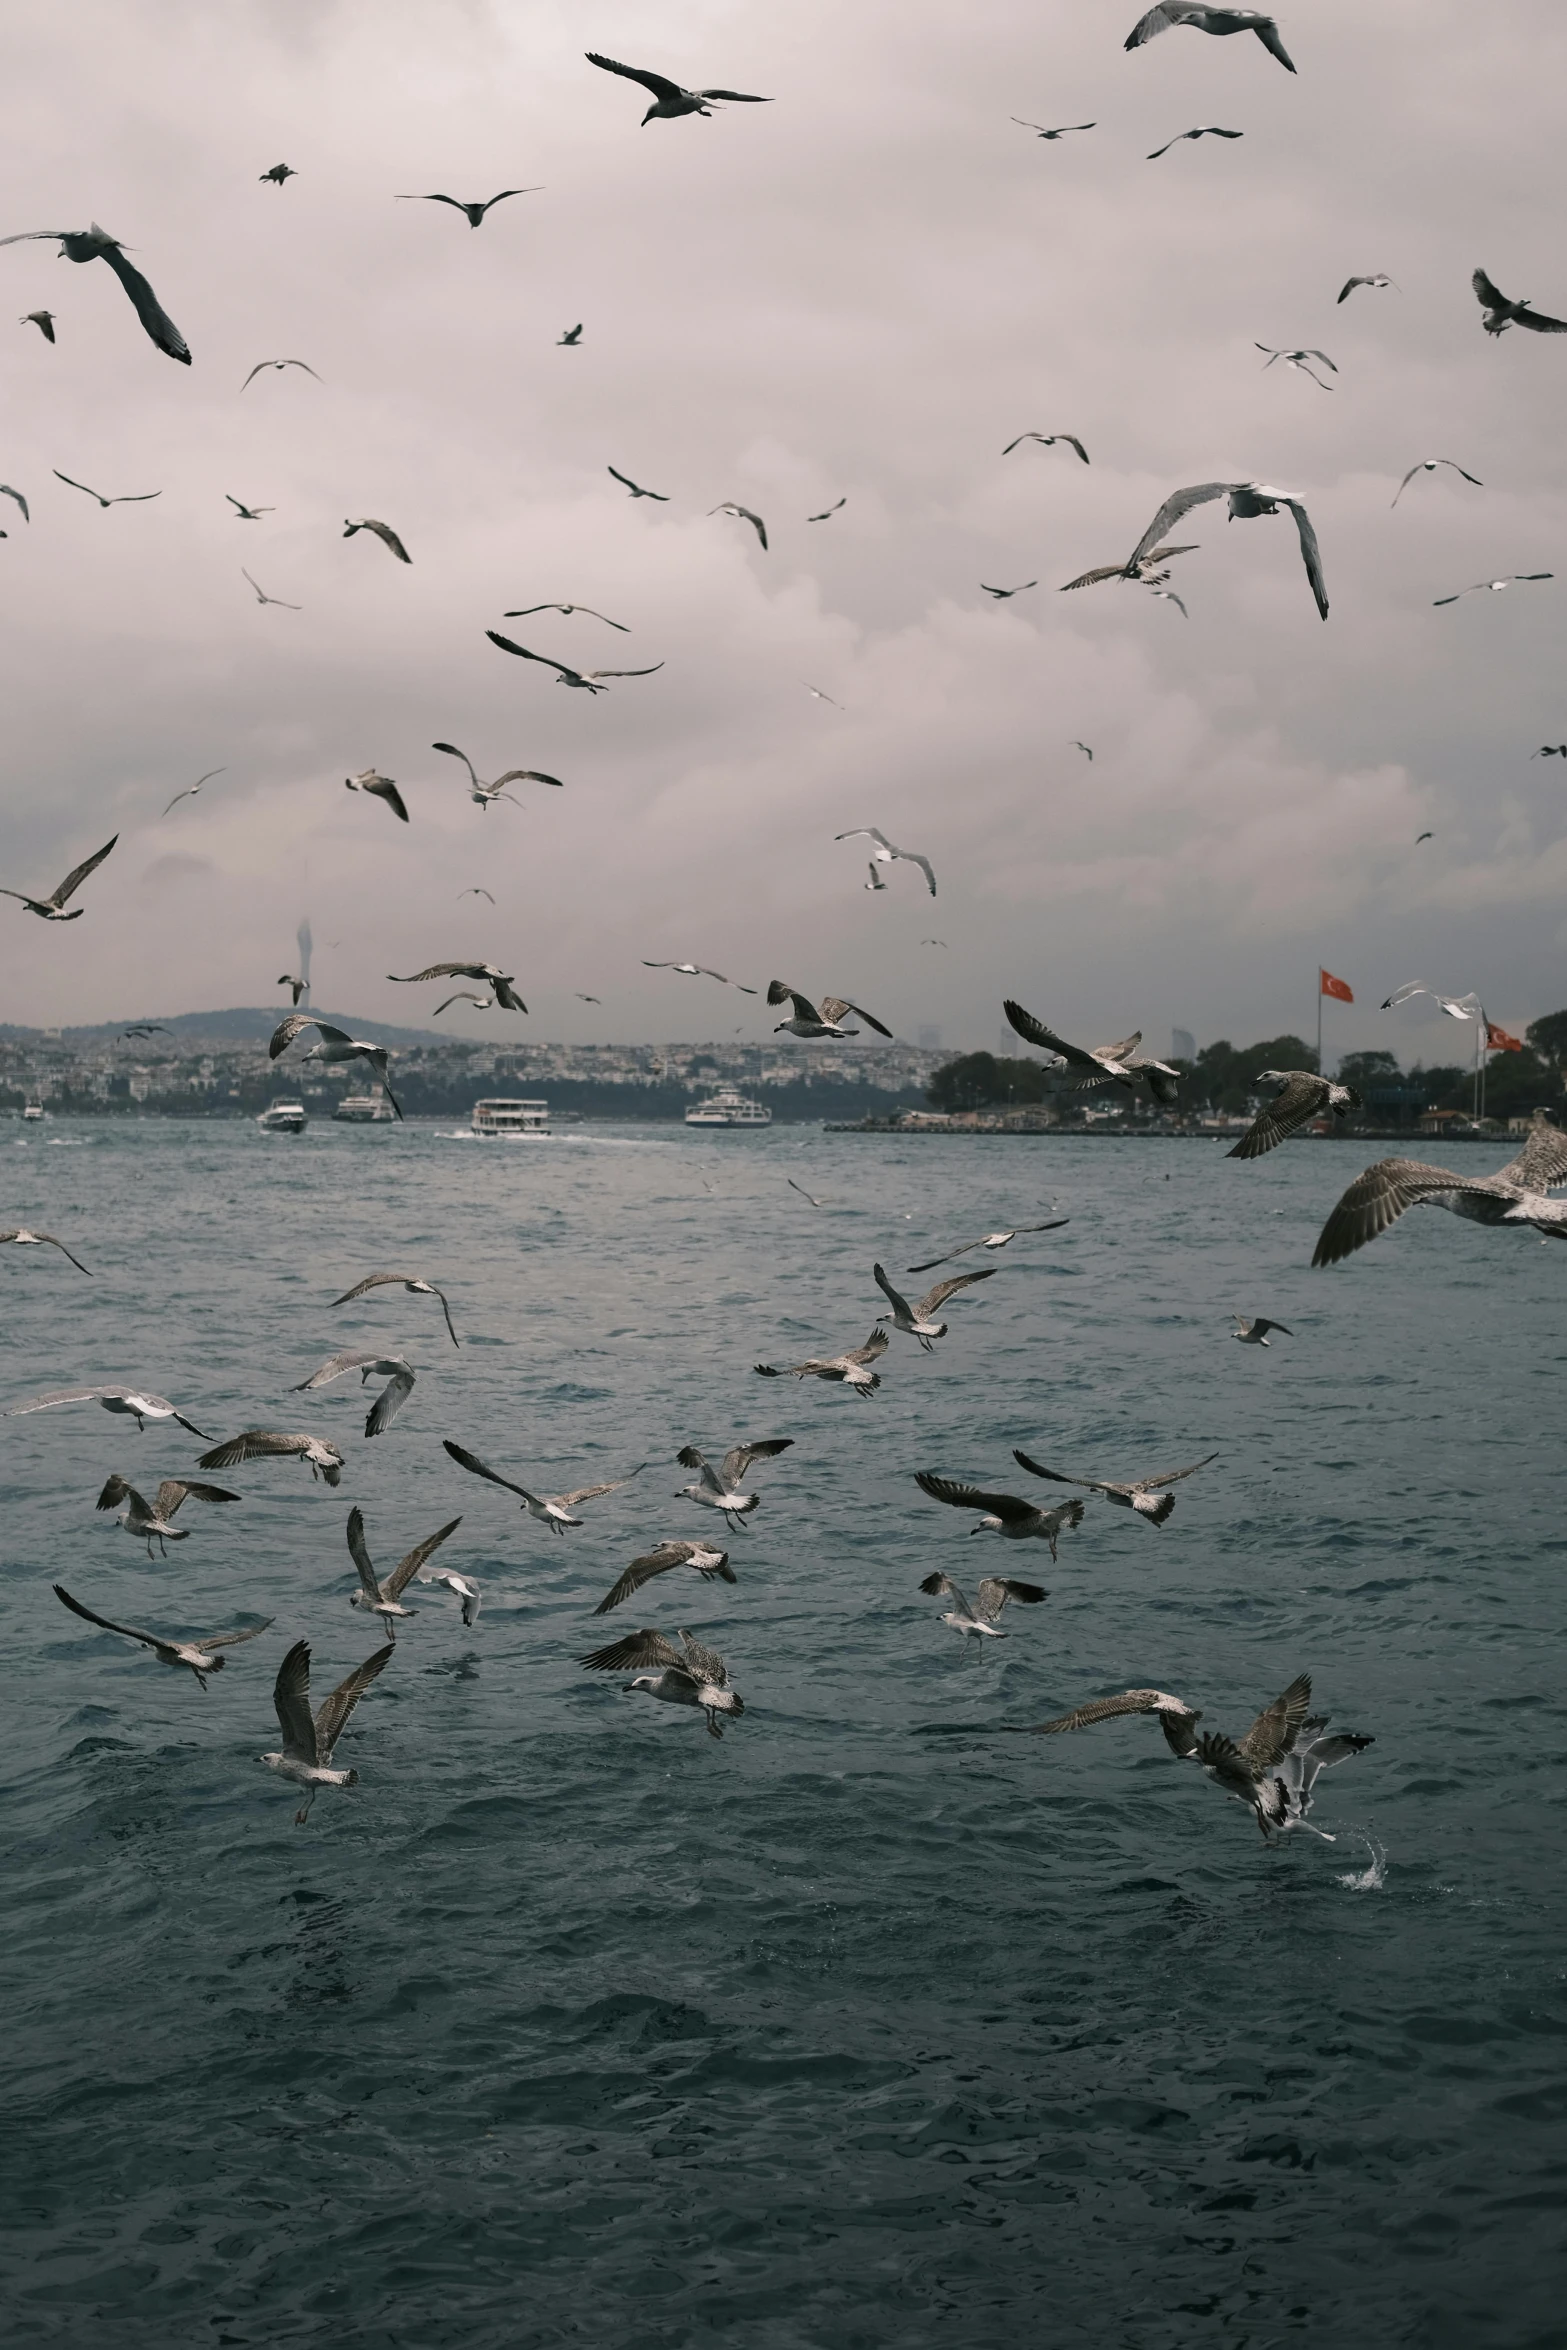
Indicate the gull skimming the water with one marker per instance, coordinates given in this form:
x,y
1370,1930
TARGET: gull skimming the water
x,y
310,1741
260,1444
95,244
852,1367
384,1598
687,1675
886,854
979,1621
915,1321
335,1044
1518,1193
199,1654
551,1509
20,1237
808,1022
700,1556
1302,1096
153,1522
1256,1333
719,1489
1012,1519
669,99
398,1374
1142,1494
135,1403
409,1281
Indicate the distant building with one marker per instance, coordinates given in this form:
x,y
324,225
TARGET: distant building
x,y
929,1037
1183,1045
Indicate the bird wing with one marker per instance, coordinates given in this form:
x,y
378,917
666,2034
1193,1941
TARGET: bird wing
x,y
383,531
1377,1198
335,1367
440,971
453,752
1089,1484
1267,33
779,991
642,1570
44,1403
1538,322
333,1712
1105,1709
60,1245
621,672
117,1489
159,325
940,1586
660,89
477,1468
6,490
532,774
78,875
391,1399
913,857
931,1263
866,832
1417,467
1487,293
1310,552
834,1007
1301,1099
358,1550
1037,1033
1541,1164
875,1346
959,1496
1171,1476
996,1590
254,1444
1092,578
740,1456
291,1025
370,1281
148,1639
704,1664
1262,1325
591,1492
1158,20
291,1698
385,789
175,1490
949,1288
234,1639
646,1647
899,1303
1277,1727
738,97
523,653
406,1569
1179,502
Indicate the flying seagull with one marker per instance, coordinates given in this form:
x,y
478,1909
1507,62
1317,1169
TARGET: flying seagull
x,y
409,1281
1059,133
483,793
808,1022
571,338
1247,500
145,1028
636,490
804,1194
279,173
334,1044
191,789
385,1598
140,498
719,1489
476,892
828,512
198,1653
153,1522
263,598
1083,747
134,1403
1209,20
464,995
589,680
500,981
1012,1519
1207,130
979,1621
51,908
886,854
43,320
987,1240
22,1238
817,695
915,1320
1169,596
581,998
1491,587
1001,594
469,1593
380,787
1429,465
1550,751
1420,836
1302,1096
875,881
1101,1064
1256,1333
1377,278
279,364
687,1675
475,212
851,1369
95,244
1297,360
261,1444
296,987
6,491
1516,1194
526,611
383,531
310,1741
743,514
399,1377
551,1509
1500,313
1047,440
701,1556
669,99
1141,1494
1147,573
699,971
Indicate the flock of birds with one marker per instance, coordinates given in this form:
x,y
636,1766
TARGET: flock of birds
x,y
1272,1768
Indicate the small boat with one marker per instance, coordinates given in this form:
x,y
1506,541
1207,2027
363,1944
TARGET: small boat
x,y
727,1107
33,1111
364,1109
283,1117
499,1116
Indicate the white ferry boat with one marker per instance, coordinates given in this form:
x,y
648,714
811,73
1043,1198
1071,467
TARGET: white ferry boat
x,y
33,1110
727,1107
499,1116
364,1109
284,1117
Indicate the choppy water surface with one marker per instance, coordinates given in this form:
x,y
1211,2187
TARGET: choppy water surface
x,y
867,2026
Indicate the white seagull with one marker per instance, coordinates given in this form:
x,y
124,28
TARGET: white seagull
x,y
1209,20
699,971
1429,465
743,514
1048,440
1500,313
384,1598
461,1588
1101,1064
502,982
1297,360
551,1509
1012,1519
280,364
852,1368
483,793
415,1286
886,854
199,1654
585,680
987,1240
20,1237
191,789
261,1444
1492,587
263,598
1516,1194
383,531
669,99
96,244
379,787
1142,1494
153,1521
1207,130
810,1022
1256,1333
915,1321
1302,1096
135,1403
720,1489
979,1621
335,1045
1377,278
1457,1007
687,1675
1247,500
398,1375
701,1557
310,1741
51,908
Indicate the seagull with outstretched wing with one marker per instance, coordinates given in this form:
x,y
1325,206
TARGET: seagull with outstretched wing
x,y
398,1374
1302,1096
1101,1064
154,1521
502,982
526,611
1059,132
636,488
482,793
743,514
885,854
1012,1519
1204,19
473,213
687,1675
1207,130
279,364
1490,587
380,787
382,1596
808,1021
1145,1495
137,498
669,99
95,244
701,1557
20,1237
1247,500
1047,440
1518,1193
1378,278
850,1369
916,1320
310,1740
266,1444
551,1509
1500,313
699,971
133,1403
586,680
383,531
52,908
987,1240
333,1044
979,1620
200,1654
412,1282
1429,465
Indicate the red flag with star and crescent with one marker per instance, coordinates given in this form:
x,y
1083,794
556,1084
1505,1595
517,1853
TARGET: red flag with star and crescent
x,y
1336,987
1497,1040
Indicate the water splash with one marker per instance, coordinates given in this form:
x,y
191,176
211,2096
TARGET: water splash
x,y
1373,1877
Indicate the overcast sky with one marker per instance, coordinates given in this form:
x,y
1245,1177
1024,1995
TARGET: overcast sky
x,y
862,290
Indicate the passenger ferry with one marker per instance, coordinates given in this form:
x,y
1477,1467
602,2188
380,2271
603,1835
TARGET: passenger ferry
x,y
364,1109
499,1116
727,1107
33,1111
284,1117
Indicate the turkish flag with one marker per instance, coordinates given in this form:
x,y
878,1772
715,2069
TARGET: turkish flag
x,y
1497,1040
1336,987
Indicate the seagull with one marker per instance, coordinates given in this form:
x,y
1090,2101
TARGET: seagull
x,y
464,995
1457,1007
1169,596
1001,594
380,787
1491,586
153,1522
875,881
1302,1095
409,1281
987,1240
257,1444
96,244
817,695
22,1238
1247,500
475,212
1209,20
1550,751
851,1368
743,514
980,1621
384,1599
1059,133
191,789
246,513
1101,1064
1291,1784
551,1509
335,1045
636,491
145,1028
1256,1333
476,892
808,1022
1377,278
141,497
1516,1194
828,512
398,1374
1429,465
915,1321
483,793
1047,440
500,981
136,1403
279,364
1297,360
383,531
43,320
1147,573
720,1489
1138,1494
571,338
1500,314
886,854
279,173
469,1593
50,909
669,99
1208,130
589,680
1013,1520
1420,836
699,971
706,1561
7,492
688,1675
296,987
197,1653
526,611
1083,747
308,1744
581,998
263,598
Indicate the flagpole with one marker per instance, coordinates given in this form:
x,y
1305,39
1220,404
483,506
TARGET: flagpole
x,y
1319,1019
